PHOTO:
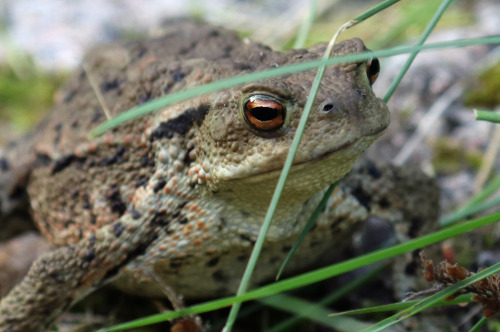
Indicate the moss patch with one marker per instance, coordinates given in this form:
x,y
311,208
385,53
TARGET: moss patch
x,y
484,91
26,96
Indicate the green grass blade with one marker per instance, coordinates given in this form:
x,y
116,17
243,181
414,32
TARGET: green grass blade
x,y
331,298
423,38
238,80
492,187
479,324
462,214
475,204
314,312
376,9
487,116
431,300
317,275
402,306
310,223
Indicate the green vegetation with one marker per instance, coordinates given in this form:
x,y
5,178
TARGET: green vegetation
x,y
25,96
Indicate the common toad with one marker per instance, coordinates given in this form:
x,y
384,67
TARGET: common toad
x,y
180,194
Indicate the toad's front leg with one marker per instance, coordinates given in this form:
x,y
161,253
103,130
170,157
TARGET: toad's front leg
x,y
58,279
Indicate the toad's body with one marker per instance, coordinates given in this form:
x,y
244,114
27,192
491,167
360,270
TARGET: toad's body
x,y
177,197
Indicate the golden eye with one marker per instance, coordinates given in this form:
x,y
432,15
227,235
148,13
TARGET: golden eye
x,y
264,113
372,70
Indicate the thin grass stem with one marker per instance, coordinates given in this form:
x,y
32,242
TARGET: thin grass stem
x,y
435,19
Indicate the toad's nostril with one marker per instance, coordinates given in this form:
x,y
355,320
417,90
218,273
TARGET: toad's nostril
x,y
328,107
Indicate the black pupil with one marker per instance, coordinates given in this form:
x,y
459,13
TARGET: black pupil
x,y
264,113
374,68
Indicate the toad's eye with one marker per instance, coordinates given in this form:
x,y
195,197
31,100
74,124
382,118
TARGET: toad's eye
x,y
264,113
372,70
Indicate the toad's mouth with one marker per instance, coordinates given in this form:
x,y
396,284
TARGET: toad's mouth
x,y
297,166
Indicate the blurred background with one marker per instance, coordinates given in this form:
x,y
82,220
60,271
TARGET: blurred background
x,y
42,40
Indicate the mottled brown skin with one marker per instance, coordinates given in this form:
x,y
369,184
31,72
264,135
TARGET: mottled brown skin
x,y
176,198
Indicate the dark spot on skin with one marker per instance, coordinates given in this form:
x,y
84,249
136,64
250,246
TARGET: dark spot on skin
x,y
140,250
180,125
177,212
135,214
86,202
113,159
4,165
74,124
120,151
214,261
360,93
384,203
243,66
118,229
108,161
69,96
89,256
75,193
42,160
338,220
141,181
97,116
115,201
362,197
160,219
139,50
147,162
177,75
227,51
92,239
17,192
62,163
144,98
176,263
274,260
57,128
415,225
188,160
373,170
166,88
183,220
55,276
214,33
246,238
219,276
159,185
109,85
185,50
315,244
